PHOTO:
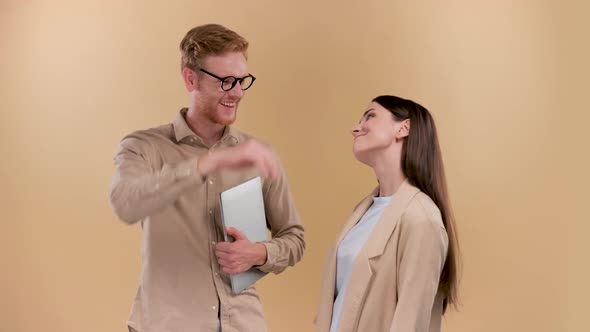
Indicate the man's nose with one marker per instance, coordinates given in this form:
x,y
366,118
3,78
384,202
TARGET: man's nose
x,y
236,91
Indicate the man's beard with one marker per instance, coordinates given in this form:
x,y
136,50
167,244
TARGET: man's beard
x,y
213,116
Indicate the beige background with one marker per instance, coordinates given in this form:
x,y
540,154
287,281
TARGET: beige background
x,y
507,82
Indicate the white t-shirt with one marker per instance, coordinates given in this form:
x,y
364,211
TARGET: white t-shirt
x,y
349,248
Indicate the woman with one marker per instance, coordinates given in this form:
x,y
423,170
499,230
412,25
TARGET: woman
x,y
395,265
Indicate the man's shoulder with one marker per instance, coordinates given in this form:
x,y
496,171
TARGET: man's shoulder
x,y
150,136
163,132
241,135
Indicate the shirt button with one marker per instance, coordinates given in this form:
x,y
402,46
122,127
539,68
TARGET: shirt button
x,y
210,181
214,307
213,242
210,211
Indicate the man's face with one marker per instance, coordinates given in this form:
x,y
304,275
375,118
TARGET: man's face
x,y
212,102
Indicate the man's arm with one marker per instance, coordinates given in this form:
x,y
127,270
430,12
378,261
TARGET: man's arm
x,y
138,189
287,244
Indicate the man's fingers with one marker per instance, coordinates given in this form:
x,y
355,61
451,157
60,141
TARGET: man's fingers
x,y
273,167
264,169
233,269
222,255
268,163
249,154
224,247
235,233
229,270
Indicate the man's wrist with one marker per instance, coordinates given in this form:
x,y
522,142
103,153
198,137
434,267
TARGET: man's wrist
x,y
261,254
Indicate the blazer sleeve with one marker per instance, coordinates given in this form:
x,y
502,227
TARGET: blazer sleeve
x,y
422,251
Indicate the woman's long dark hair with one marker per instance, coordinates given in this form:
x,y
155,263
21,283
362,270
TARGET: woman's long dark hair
x,y
422,165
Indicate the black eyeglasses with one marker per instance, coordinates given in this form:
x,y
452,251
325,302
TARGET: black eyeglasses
x,y
228,83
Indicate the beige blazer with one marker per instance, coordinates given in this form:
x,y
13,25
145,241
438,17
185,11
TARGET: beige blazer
x,y
394,280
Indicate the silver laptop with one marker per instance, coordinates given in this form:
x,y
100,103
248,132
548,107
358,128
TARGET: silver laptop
x,y
242,207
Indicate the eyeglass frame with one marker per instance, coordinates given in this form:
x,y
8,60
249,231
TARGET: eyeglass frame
x,y
236,80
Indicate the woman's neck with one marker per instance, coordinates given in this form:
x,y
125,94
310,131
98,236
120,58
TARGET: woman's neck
x,y
389,174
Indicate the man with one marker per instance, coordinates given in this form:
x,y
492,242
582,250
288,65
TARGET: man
x,y
169,179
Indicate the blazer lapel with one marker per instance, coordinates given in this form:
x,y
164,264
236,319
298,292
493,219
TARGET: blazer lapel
x,y
324,316
358,212
389,220
361,273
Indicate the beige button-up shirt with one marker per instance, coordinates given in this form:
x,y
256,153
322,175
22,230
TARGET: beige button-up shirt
x,y
182,287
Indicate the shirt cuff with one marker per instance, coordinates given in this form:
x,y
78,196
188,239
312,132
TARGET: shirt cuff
x,y
271,254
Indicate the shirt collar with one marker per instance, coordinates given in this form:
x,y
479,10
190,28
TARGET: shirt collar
x,y
182,130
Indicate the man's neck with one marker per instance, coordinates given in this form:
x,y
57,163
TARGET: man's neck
x,y
208,131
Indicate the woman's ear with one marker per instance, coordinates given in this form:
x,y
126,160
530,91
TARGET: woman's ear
x,y
404,129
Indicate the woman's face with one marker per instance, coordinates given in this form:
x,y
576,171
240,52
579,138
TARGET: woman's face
x,y
376,132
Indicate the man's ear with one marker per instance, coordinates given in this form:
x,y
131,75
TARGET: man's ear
x,y
404,129
190,79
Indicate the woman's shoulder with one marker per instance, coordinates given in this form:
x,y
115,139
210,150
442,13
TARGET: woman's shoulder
x,y
422,210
